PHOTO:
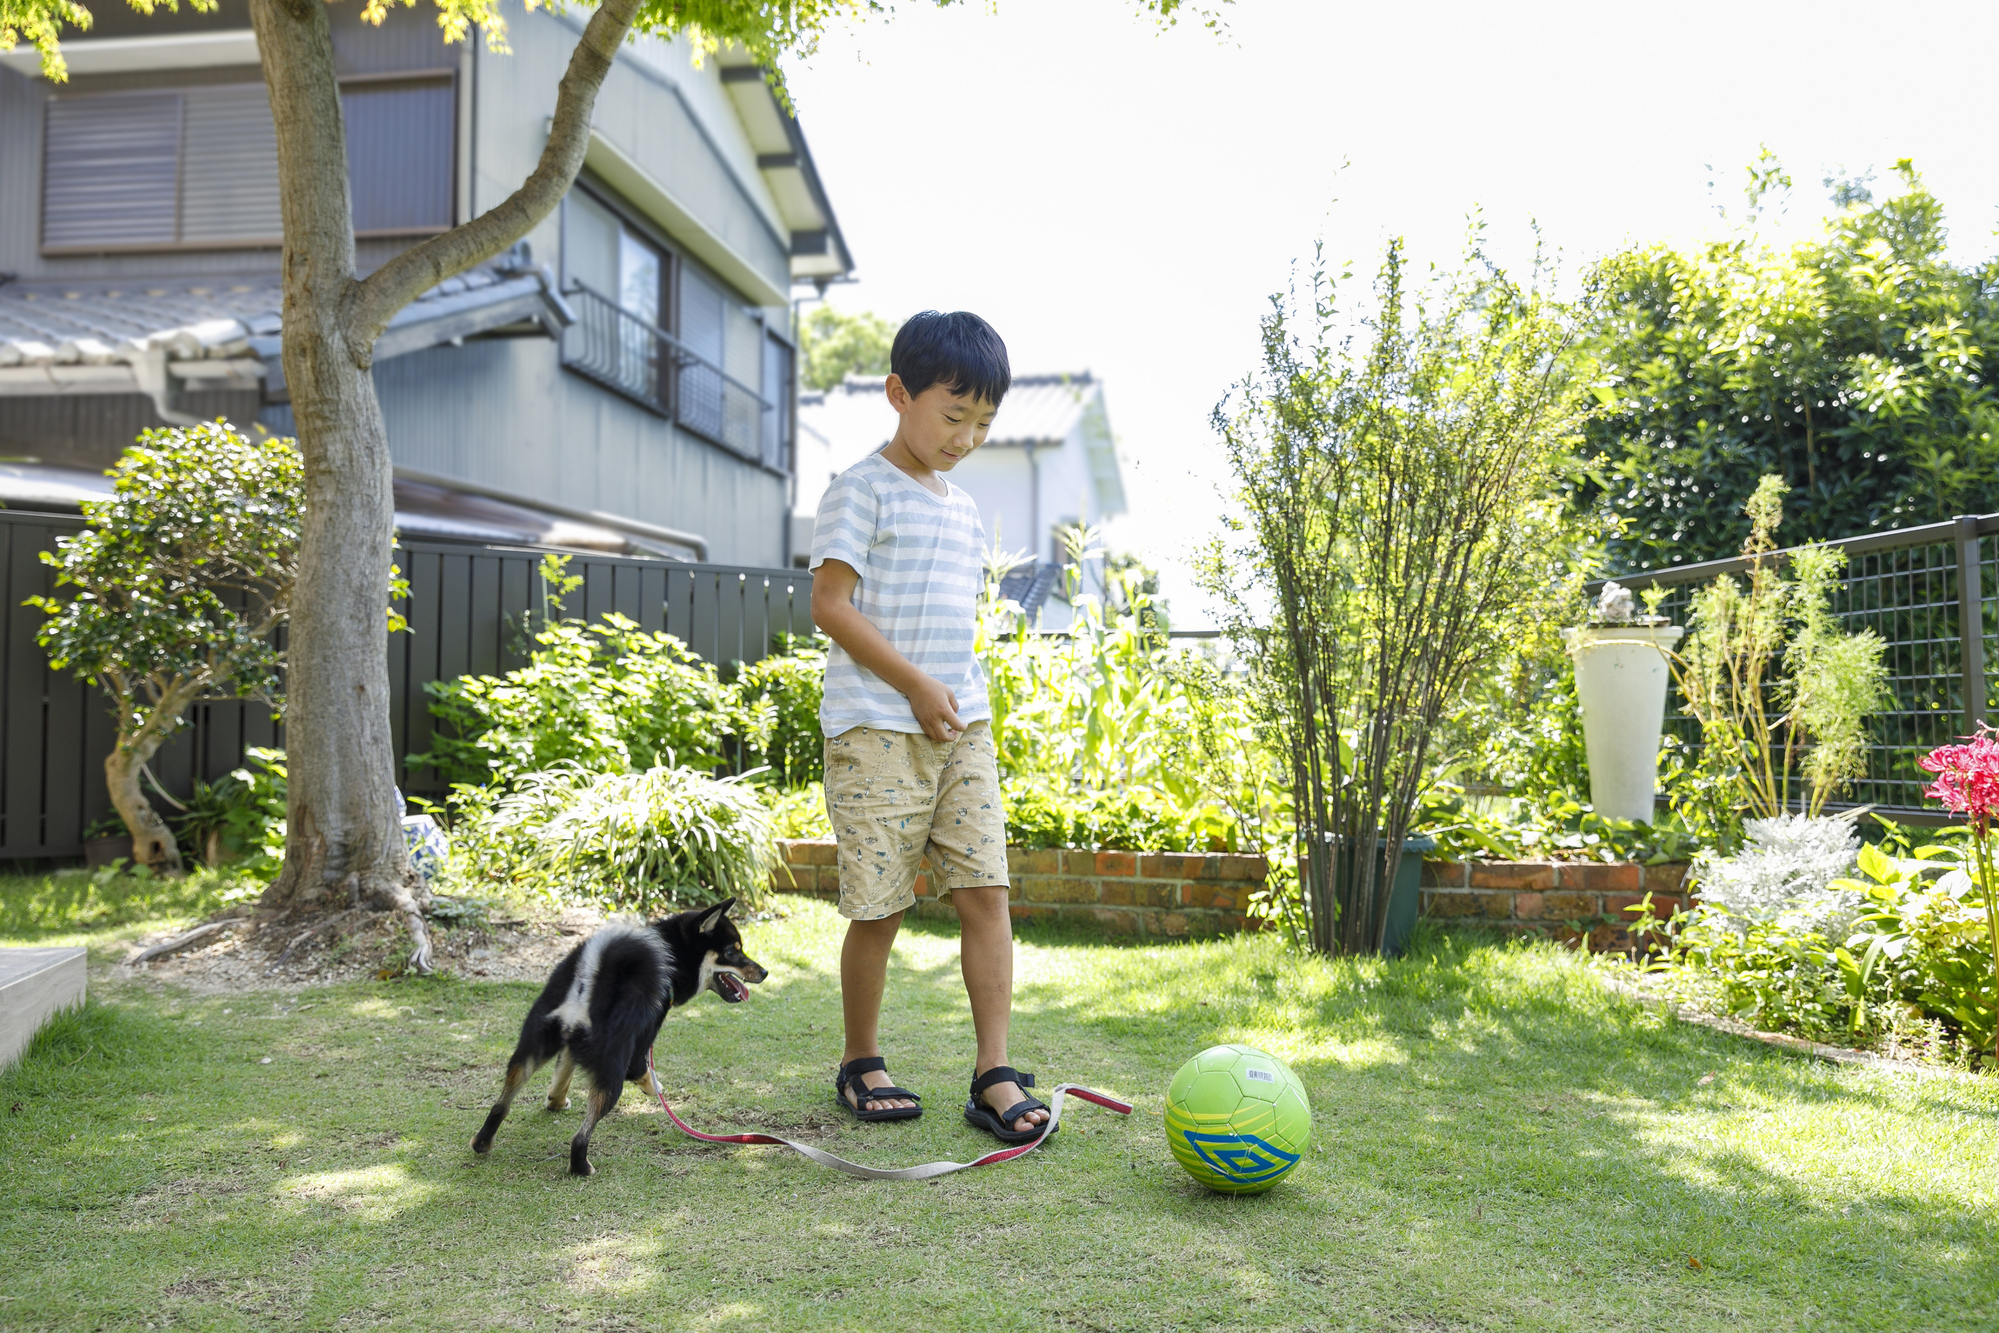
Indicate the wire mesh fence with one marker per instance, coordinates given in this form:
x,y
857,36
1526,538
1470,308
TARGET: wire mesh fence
x,y
1929,592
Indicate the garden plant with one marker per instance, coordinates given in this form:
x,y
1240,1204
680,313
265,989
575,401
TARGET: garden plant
x,y
1398,522
173,594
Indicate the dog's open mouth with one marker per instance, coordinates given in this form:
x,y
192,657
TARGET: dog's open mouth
x,y
730,987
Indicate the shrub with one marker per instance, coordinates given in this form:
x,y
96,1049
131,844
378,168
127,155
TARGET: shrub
x,y
605,697
664,839
240,820
780,703
1729,676
179,581
1396,529
797,812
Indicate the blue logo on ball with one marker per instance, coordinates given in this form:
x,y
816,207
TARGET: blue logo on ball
x,y
1241,1157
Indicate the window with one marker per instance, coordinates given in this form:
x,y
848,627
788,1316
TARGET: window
x,y
660,330
197,168
400,147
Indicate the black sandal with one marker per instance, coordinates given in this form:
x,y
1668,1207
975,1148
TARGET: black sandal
x,y
997,1123
850,1076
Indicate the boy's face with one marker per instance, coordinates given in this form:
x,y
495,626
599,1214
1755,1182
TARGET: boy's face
x,y
940,427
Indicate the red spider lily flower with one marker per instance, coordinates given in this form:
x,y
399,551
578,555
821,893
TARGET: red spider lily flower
x,y
1967,778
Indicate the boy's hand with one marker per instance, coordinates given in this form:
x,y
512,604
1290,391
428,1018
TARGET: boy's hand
x,y
936,709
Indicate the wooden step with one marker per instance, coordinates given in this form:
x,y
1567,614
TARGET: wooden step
x,y
35,985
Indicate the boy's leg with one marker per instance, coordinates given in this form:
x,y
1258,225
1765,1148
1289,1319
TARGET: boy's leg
x,y
968,841
880,789
985,954
863,973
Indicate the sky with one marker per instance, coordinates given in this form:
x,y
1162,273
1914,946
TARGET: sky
x,y
1125,200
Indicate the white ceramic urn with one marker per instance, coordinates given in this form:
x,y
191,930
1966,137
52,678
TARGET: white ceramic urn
x,y
1621,679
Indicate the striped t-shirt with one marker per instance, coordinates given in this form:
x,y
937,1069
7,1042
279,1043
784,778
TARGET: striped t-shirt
x,y
921,558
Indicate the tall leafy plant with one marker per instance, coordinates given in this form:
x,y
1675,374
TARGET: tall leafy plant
x,y
1395,523
1781,692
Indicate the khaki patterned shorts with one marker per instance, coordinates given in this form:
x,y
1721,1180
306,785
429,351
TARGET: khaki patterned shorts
x,y
893,795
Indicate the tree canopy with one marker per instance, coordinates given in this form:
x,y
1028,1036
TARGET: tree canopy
x,y
1858,366
833,346
766,29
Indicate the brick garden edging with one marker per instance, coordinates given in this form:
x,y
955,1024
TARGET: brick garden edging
x,y
1575,902
1170,895
1148,894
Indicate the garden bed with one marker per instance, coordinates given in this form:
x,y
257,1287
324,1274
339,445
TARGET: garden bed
x,y
1571,901
1153,895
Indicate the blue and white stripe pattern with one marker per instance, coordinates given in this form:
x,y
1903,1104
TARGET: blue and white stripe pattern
x,y
921,558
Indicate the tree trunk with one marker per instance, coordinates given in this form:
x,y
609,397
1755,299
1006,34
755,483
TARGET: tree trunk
x,y
153,842
344,842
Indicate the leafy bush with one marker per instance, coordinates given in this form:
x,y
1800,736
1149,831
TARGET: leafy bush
x,y
606,697
1729,676
1556,827
240,820
172,594
662,839
797,812
1902,943
780,702
1107,737
1786,869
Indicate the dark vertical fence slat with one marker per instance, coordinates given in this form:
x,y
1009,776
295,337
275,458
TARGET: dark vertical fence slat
x,y
1971,623
426,624
469,609
516,578
27,676
483,614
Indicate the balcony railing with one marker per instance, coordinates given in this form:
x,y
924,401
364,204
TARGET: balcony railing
x,y
645,363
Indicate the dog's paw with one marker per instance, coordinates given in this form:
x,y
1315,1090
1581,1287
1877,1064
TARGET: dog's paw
x,y
482,1146
585,1169
554,1105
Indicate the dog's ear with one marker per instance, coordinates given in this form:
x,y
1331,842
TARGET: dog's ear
x,y
715,918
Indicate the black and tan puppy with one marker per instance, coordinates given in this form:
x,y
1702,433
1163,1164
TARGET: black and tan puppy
x,y
604,1003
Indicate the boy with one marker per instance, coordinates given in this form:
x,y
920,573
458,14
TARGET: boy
x,y
898,559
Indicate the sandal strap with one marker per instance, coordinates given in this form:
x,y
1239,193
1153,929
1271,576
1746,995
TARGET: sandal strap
x,y
1019,1109
1000,1074
889,1093
865,1064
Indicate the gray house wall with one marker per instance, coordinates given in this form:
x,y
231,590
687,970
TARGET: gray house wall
x,y
516,420
498,412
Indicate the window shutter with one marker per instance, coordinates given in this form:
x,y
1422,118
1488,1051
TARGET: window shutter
x,y
777,417
229,183
700,390
111,168
401,142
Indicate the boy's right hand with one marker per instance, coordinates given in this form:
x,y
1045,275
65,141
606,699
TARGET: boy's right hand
x,y
936,710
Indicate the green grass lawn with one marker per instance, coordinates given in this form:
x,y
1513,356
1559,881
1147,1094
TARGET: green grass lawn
x,y
1499,1144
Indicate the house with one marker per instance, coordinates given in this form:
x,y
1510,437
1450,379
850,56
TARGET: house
x,y
1048,464
622,381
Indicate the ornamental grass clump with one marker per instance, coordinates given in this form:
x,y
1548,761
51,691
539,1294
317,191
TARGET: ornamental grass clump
x,y
1968,784
664,839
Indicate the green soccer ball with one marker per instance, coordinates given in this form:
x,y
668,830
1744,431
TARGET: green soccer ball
x,y
1237,1119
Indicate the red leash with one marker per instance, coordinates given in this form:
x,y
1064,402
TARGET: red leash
x,y
928,1171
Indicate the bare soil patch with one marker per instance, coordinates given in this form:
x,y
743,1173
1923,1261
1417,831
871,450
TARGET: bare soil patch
x,y
365,946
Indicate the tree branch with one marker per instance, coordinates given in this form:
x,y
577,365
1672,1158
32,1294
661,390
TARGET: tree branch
x,y
375,301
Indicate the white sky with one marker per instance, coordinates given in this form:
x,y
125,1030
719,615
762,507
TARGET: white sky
x,y
1122,200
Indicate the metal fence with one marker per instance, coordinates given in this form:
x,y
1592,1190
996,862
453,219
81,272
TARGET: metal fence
x,y
1929,593
642,361
470,609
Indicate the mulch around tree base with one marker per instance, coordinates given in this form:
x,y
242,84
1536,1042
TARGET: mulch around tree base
x,y
365,946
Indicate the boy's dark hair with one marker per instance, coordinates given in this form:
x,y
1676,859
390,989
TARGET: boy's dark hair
x,y
959,351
